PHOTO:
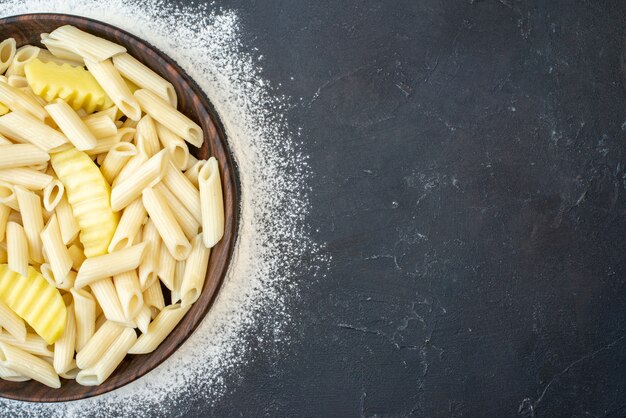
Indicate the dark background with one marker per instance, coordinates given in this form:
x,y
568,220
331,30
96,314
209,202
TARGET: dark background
x,y
469,181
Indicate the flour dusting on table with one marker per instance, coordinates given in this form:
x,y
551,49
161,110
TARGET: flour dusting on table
x,y
273,236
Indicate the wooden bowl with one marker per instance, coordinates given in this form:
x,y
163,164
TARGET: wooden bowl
x,y
192,102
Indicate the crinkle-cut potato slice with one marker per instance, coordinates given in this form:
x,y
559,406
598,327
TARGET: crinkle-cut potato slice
x,y
35,300
89,195
75,85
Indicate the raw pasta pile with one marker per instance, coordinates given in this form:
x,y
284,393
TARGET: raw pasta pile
x,y
102,208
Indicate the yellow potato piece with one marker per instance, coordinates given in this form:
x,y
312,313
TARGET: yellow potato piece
x,y
35,300
75,85
89,195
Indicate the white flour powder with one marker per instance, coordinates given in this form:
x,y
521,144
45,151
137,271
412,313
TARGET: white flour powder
x,y
273,235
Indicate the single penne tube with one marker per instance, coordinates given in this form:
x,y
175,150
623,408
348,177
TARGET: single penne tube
x,y
22,56
143,318
193,172
17,249
178,280
18,81
129,293
52,194
98,344
11,375
105,144
102,266
146,176
184,190
167,267
148,269
46,272
32,218
26,177
159,329
169,117
153,298
115,87
25,128
114,355
7,53
132,219
47,56
64,347
117,157
28,365
67,282
187,222
129,168
85,313
33,344
104,292
100,125
58,255
78,256
12,323
146,137
176,146
21,155
5,213
133,70
17,100
42,167
57,49
165,222
195,272
191,161
83,44
67,221
212,202
8,197
68,121
71,372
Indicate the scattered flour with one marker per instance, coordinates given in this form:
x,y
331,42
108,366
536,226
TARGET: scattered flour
x,y
273,236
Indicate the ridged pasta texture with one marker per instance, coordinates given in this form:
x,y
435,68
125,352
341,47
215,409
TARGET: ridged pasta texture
x,y
89,195
35,300
75,85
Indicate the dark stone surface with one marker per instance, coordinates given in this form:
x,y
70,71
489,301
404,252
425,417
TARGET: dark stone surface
x,y
470,184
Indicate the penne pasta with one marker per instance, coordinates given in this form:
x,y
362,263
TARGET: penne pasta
x,y
104,292
212,203
170,231
147,175
191,161
98,344
178,150
167,267
114,355
67,221
52,194
7,53
68,121
17,249
71,372
159,329
85,313
12,323
105,144
64,346
184,190
24,128
83,44
47,56
143,318
115,87
169,117
22,56
78,256
18,81
32,344
146,137
193,172
129,293
26,177
148,269
178,280
28,365
57,253
99,267
5,212
187,222
100,124
21,155
30,208
130,167
195,272
17,100
131,221
117,157
7,196
133,70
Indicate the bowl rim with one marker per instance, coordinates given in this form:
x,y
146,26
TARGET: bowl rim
x,y
229,165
